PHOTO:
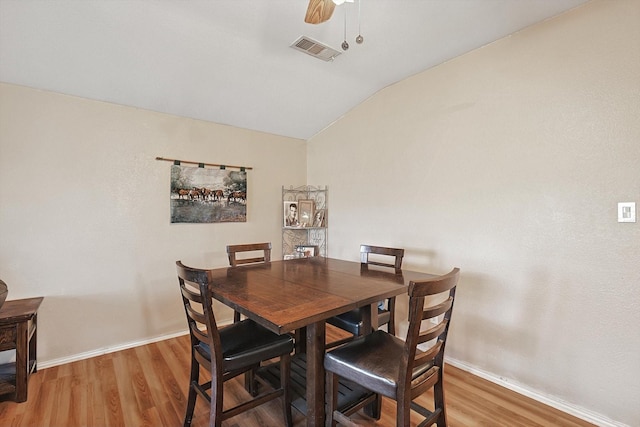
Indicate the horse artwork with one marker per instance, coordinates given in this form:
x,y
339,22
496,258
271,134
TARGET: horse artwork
x,y
205,195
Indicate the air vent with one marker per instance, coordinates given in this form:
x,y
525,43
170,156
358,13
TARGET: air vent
x,y
314,48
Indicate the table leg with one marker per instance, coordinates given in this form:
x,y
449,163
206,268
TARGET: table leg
x,y
301,340
22,361
370,323
370,318
316,341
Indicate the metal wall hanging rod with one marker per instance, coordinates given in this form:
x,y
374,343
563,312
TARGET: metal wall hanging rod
x,y
200,164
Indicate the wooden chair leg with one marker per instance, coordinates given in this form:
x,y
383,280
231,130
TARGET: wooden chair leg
x,y
331,399
391,326
374,409
285,378
250,383
215,410
191,405
403,413
438,398
194,377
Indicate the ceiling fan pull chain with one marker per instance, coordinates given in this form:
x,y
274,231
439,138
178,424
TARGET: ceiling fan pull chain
x,y
345,45
359,39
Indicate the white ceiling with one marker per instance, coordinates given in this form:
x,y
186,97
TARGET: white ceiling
x,y
230,62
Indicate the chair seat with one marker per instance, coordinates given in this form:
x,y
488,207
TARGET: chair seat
x,y
399,370
246,343
366,361
352,322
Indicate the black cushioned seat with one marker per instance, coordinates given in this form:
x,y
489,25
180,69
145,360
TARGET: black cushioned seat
x,y
367,362
388,366
246,343
352,321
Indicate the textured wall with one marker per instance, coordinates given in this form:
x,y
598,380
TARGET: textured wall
x,y
84,213
508,162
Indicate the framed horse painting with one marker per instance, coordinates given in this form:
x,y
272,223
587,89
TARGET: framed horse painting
x,y
207,195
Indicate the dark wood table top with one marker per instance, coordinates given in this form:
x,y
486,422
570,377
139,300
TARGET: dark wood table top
x,y
287,295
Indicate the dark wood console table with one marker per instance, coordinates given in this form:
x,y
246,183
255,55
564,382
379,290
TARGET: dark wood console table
x,y
18,330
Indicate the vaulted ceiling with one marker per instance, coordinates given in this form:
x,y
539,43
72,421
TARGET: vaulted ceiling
x,y
230,62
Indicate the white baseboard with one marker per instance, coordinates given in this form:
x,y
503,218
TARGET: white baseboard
x,y
548,400
106,350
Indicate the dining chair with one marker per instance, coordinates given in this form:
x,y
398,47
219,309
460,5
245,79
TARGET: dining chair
x,y
254,258
388,366
228,352
352,321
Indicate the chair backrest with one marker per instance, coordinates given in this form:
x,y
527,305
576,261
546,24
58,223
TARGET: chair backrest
x,y
433,358
198,306
396,253
233,250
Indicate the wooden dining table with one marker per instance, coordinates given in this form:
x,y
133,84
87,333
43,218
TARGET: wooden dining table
x,y
300,294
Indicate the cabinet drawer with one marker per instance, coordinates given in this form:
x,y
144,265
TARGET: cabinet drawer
x,y
7,337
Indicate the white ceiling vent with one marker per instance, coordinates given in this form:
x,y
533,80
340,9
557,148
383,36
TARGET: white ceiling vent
x,y
314,48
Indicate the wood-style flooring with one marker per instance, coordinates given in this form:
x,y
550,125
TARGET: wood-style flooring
x,y
147,386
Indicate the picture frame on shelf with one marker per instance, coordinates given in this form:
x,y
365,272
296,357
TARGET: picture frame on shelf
x,y
308,223
290,214
318,218
305,212
306,251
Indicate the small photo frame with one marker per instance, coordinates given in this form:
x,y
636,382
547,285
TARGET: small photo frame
x,y
307,251
318,218
305,212
291,214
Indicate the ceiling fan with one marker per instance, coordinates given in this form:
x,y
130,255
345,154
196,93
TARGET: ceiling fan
x,y
320,11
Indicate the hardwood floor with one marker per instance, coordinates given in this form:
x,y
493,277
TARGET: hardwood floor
x,y
146,386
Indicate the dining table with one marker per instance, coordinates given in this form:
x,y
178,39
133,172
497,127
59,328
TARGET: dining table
x,y
300,295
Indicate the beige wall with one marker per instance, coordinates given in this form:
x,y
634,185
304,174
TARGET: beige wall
x,y
84,214
509,162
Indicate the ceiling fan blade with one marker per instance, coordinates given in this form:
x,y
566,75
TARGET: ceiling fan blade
x,y
319,11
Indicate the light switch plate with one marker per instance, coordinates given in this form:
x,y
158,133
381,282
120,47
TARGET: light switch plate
x,y
627,212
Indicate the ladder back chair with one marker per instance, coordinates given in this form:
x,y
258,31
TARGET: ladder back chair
x,y
228,352
397,369
352,321
251,254
235,260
